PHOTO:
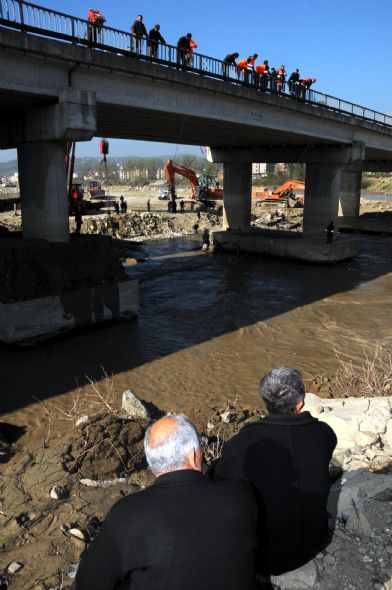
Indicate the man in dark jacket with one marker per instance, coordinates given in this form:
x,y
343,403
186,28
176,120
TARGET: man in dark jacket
x,y
184,49
155,37
184,532
229,62
138,31
293,82
286,458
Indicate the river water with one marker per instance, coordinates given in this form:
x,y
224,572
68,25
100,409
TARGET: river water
x,y
209,327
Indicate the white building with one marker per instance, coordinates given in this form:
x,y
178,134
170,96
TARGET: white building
x,y
259,169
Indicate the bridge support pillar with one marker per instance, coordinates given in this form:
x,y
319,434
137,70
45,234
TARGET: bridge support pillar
x,y
237,195
350,193
322,187
43,190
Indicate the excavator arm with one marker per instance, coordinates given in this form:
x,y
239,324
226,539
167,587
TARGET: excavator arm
x,y
171,169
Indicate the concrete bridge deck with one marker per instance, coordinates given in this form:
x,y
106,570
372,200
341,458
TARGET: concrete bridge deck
x,y
56,86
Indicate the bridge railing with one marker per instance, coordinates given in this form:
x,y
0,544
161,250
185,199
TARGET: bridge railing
x,y
31,18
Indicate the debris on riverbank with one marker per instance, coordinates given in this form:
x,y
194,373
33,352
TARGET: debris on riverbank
x,y
99,459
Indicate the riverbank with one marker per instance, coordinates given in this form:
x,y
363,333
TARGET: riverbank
x,y
55,496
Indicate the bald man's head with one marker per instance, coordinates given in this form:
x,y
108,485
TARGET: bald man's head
x,y
171,444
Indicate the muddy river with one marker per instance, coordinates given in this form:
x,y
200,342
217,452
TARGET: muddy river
x,y
209,327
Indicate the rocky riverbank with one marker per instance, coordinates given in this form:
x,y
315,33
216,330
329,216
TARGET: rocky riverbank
x,y
54,498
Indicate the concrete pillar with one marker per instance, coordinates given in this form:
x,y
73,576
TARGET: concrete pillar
x,y
322,187
43,190
350,193
237,199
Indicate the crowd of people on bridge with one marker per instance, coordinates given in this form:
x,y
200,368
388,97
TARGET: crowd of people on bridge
x,y
260,509
261,76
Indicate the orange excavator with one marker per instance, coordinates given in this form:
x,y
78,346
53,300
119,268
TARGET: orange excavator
x,y
284,192
204,189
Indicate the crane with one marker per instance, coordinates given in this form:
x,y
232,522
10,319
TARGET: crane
x,y
204,189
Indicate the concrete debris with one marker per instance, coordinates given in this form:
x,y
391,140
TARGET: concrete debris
x,y
303,578
104,483
58,493
82,420
72,570
78,534
14,567
227,417
133,407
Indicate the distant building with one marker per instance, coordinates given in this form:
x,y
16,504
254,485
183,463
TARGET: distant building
x,y
259,169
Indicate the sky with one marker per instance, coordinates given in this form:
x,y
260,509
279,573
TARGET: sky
x,y
345,44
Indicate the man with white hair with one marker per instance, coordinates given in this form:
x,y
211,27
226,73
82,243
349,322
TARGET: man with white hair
x,y
185,532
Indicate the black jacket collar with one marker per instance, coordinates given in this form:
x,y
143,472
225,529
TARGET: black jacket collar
x,y
179,477
298,420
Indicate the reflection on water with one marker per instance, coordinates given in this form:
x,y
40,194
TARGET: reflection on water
x,y
210,326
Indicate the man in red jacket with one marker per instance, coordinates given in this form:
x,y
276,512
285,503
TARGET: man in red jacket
x,y
285,456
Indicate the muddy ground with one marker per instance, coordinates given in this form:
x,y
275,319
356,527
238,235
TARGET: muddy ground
x,y
78,452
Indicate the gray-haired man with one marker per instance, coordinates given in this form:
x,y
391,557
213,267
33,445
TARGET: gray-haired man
x,y
285,456
183,532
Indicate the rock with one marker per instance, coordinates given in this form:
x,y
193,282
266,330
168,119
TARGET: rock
x,y
14,567
360,484
77,533
210,426
303,578
387,437
329,559
133,407
72,570
367,559
58,493
365,439
82,420
104,483
227,417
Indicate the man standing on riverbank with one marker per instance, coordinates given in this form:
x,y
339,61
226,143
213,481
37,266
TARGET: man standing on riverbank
x,y
285,456
183,532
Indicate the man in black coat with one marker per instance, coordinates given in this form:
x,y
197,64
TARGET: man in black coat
x,y
229,62
285,456
138,31
184,532
184,49
155,37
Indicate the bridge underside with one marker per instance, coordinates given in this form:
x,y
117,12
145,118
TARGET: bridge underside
x,y
52,93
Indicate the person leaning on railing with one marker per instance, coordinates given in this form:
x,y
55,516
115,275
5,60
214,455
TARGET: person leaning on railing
x,y
154,37
229,62
138,31
184,49
96,21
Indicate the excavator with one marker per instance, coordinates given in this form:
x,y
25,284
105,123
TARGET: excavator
x,y
284,192
205,189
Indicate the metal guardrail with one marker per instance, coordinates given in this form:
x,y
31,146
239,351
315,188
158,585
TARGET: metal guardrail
x,y
30,18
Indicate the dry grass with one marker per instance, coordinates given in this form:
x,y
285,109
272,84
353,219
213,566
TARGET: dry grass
x,y
372,378
95,398
221,432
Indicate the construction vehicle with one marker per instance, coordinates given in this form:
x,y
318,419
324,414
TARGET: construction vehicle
x,y
284,192
205,189
76,191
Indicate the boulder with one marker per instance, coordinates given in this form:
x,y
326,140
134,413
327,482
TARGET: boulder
x,y
303,578
133,407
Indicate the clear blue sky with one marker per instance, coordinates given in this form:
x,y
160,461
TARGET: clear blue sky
x,y
345,44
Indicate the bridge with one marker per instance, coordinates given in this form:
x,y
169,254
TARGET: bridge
x,y
56,86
